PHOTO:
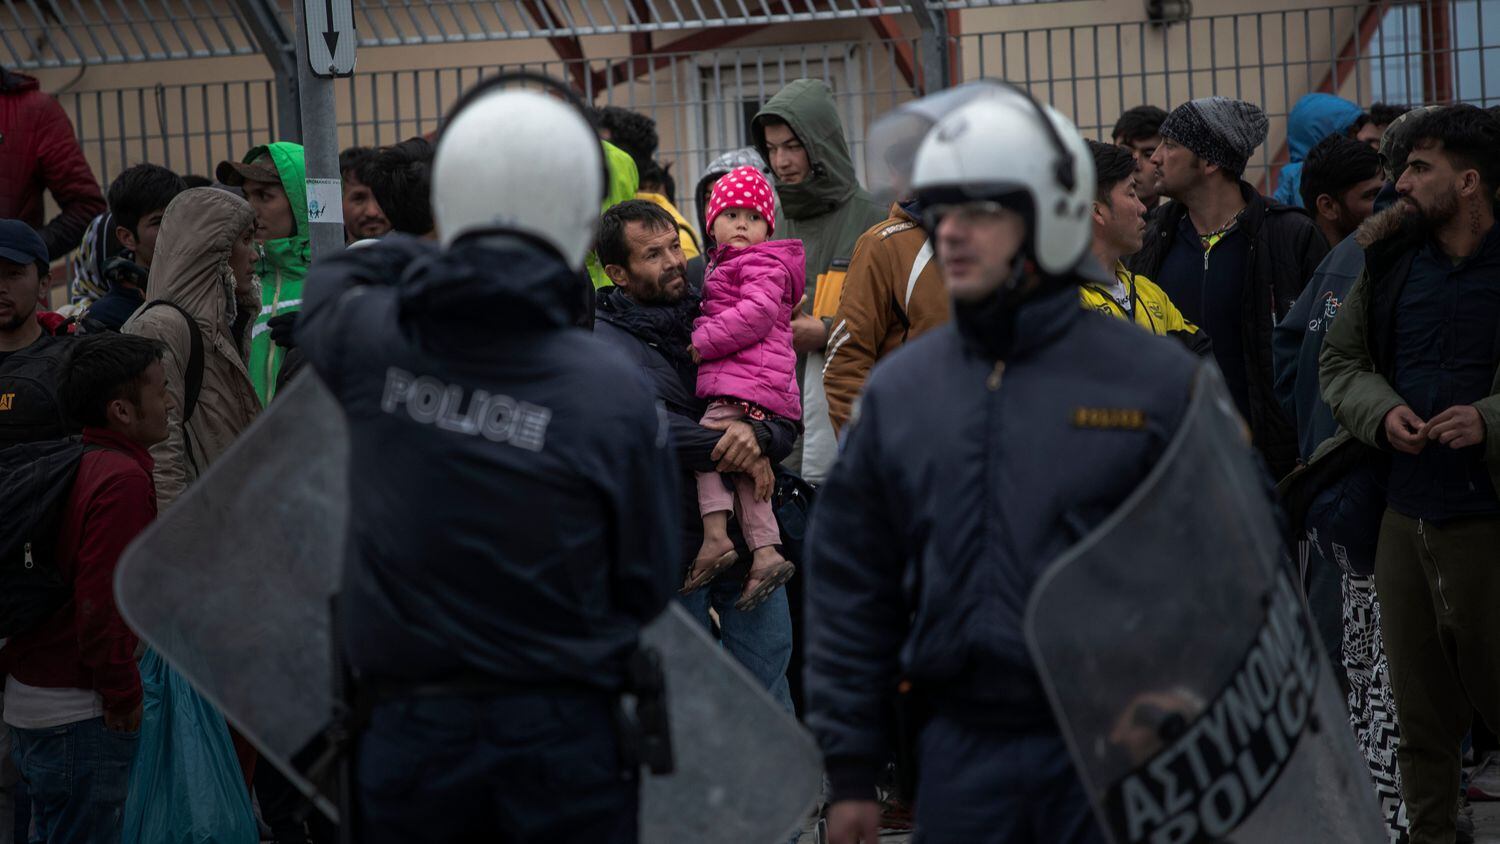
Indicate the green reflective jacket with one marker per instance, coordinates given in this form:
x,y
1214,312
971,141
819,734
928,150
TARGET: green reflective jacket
x,y
624,181
282,267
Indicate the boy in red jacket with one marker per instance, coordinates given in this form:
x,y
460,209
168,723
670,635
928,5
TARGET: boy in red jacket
x,y
73,697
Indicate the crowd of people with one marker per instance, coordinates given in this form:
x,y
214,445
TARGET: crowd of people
x,y
746,376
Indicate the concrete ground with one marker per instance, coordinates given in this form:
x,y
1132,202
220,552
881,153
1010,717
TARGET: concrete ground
x,y
1487,822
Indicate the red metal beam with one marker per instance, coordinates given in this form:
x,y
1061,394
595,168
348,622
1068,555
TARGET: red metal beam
x,y
889,30
1437,52
1345,64
567,47
955,33
640,42
657,58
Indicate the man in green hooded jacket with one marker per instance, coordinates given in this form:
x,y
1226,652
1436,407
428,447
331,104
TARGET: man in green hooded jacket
x,y
274,180
819,202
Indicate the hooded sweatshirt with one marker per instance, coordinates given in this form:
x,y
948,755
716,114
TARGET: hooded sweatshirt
x,y
1315,117
282,269
39,150
827,211
191,270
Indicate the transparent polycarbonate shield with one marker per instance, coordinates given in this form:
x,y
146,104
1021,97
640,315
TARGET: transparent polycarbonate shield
x,y
232,583
1182,665
746,770
232,586
891,147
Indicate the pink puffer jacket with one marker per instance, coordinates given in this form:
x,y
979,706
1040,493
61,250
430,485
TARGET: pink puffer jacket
x,y
745,332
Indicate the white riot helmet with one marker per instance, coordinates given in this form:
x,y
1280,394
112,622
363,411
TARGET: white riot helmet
x,y
1007,148
515,159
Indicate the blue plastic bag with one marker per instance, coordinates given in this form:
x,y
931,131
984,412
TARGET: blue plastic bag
x,y
185,784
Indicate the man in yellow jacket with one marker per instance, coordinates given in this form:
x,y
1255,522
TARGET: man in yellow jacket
x,y
1119,226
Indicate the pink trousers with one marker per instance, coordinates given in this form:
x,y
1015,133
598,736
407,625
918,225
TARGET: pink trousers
x,y
757,519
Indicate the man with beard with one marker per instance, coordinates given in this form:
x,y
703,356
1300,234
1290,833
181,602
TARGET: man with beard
x,y
363,218
1340,181
30,357
30,362
1409,369
647,316
1232,260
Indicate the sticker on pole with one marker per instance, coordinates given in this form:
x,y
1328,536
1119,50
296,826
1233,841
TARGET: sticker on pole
x,y
325,201
330,36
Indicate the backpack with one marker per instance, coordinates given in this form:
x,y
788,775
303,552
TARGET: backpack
x,y
193,378
29,407
38,479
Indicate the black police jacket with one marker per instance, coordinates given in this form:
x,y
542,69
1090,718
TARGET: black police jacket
x,y
513,507
977,455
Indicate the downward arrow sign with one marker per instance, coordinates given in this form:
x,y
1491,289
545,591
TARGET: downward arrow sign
x,y
330,35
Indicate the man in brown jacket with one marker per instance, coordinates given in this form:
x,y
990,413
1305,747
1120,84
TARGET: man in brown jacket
x,y
893,293
202,269
203,272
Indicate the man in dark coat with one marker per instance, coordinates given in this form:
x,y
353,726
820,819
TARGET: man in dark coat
x,y
647,319
1231,260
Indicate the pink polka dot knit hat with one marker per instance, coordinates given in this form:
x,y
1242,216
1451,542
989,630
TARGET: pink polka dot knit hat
x,y
743,187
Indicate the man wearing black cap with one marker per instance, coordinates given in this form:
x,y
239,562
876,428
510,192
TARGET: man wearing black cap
x,y
30,357
30,360
1233,261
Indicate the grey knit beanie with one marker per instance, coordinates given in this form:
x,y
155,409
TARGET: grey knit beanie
x,y
1218,130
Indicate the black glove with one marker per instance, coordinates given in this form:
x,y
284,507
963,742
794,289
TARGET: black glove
x,y
281,327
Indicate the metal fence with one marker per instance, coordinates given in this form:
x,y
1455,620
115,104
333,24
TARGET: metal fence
x,y
702,101
1397,53
68,33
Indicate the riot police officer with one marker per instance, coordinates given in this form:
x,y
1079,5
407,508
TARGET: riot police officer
x,y
976,456
513,503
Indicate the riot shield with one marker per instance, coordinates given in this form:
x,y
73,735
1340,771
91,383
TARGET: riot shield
x,y
1183,667
232,584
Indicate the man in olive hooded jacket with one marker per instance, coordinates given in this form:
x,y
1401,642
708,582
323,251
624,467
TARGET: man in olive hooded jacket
x,y
819,202
274,178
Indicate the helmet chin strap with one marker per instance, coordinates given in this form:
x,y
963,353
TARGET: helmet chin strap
x,y
1021,284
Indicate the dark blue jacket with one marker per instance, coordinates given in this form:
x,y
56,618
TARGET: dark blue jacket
x,y
960,480
1298,340
115,307
1285,250
1446,347
513,494
654,340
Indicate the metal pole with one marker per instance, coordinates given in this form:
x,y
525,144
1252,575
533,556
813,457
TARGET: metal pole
x,y
320,148
934,43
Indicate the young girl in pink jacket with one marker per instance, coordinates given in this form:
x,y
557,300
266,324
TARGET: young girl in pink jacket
x,y
747,369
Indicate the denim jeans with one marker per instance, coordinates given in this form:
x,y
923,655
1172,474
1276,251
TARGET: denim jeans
x,y
524,768
78,775
760,640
